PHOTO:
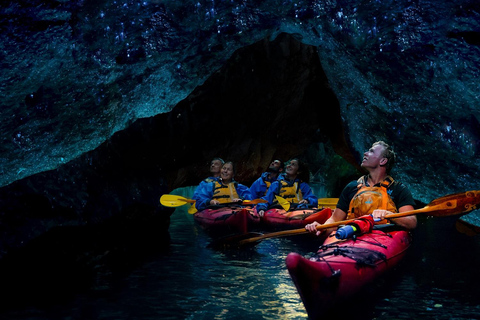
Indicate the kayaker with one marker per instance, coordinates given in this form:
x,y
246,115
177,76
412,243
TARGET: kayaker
x,y
292,186
260,186
223,190
375,193
215,169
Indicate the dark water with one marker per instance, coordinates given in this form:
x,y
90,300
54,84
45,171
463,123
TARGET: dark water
x,y
437,280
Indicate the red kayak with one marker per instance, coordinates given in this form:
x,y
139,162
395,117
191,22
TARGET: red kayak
x,y
225,220
343,267
279,219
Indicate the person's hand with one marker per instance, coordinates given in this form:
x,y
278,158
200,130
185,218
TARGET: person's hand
x,y
214,202
261,213
303,201
379,214
237,200
312,227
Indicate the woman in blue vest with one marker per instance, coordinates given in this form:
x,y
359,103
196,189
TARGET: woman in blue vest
x,y
223,190
292,186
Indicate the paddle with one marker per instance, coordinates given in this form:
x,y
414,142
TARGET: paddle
x,y
322,202
283,202
192,209
442,207
172,200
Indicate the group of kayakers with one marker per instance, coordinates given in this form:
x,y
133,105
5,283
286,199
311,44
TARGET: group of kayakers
x,y
290,182
374,195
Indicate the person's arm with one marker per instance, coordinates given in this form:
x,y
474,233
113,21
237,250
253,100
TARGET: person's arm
x,y
262,207
409,222
244,192
258,188
404,202
204,195
308,195
338,215
340,212
198,190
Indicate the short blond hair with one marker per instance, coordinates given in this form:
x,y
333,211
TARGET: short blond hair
x,y
388,153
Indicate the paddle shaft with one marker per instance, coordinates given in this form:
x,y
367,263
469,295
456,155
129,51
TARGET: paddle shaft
x,y
170,200
193,210
445,205
242,203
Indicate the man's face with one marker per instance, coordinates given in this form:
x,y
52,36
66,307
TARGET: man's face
x,y
215,166
373,158
275,166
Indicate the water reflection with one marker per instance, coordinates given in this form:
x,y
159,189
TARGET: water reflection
x,y
196,282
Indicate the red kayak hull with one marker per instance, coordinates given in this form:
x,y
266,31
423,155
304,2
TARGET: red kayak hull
x,y
227,220
279,219
331,276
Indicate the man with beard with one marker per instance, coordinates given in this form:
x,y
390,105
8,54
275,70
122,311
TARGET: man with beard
x,y
260,186
292,186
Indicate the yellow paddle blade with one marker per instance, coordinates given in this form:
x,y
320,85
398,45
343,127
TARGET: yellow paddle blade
x,y
327,202
171,200
192,209
283,202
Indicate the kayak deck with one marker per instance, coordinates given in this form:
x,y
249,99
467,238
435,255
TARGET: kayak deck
x,y
226,220
279,219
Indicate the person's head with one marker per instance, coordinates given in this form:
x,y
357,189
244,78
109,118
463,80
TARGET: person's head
x,y
296,168
215,166
276,166
380,154
228,172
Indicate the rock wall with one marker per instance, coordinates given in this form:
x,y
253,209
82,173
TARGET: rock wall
x,y
270,100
